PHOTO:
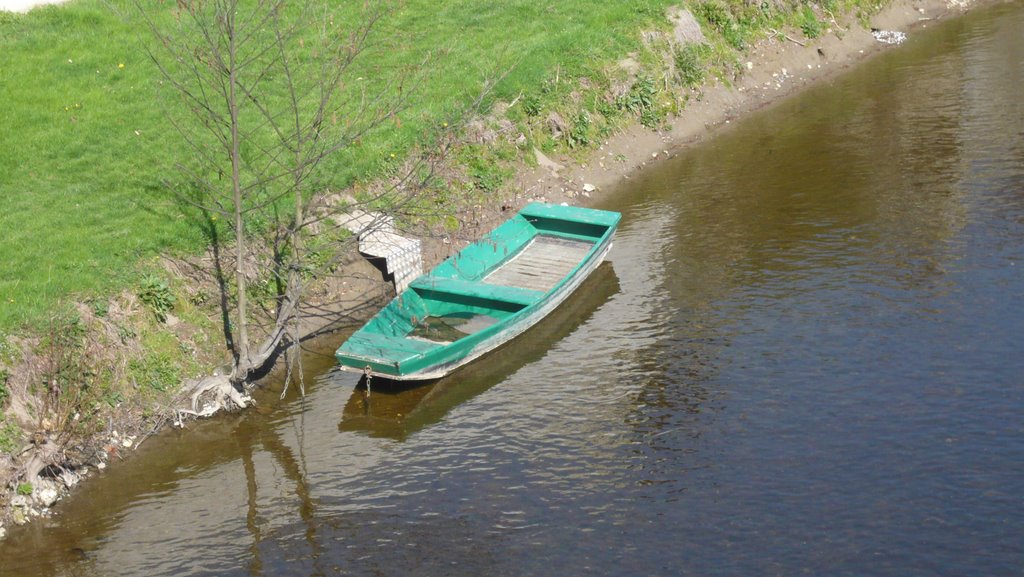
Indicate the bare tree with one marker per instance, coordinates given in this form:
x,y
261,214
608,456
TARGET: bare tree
x,y
263,85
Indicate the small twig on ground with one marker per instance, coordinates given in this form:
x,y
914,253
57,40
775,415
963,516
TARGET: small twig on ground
x,y
834,22
516,99
775,32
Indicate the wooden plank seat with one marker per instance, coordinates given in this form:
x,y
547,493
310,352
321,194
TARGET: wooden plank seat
x,y
389,346
509,294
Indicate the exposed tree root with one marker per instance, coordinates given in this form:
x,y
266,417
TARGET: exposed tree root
x,y
212,395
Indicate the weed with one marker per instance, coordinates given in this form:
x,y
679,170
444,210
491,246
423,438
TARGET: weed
x,y
8,19
651,118
607,109
100,306
579,132
157,295
532,105
718,16
10,436
809,23
4,393
689,60
486,177
487,171
155,371
6,350
67,376
639,98
25,489
126,334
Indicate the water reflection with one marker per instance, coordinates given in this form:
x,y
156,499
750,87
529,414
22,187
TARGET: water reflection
x,y
396,409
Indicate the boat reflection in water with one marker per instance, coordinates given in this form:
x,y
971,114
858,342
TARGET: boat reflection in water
x,y
397,409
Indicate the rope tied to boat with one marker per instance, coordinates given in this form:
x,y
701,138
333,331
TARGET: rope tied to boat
x,y
368,373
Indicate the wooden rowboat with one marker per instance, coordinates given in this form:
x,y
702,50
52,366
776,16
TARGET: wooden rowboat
x,y
483,297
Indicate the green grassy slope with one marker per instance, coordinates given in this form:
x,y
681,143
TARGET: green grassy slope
x,y
85,145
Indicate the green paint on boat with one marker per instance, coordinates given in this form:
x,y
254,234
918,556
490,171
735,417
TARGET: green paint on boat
x,y
484,296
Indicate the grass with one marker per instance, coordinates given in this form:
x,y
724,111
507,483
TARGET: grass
x,y
85,147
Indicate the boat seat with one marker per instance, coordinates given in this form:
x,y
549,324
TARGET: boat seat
x,y
387,345
501,293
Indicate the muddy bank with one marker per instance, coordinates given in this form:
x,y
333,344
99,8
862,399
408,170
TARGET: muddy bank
x,y
773,69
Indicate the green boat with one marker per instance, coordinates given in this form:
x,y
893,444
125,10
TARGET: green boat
x,y
486,295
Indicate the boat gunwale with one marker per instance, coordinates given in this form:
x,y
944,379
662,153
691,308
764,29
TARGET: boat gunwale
x,y
507,328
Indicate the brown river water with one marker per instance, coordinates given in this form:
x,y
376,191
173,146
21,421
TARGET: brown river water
x,y
803,357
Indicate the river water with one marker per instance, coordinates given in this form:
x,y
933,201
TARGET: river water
x,y
803,357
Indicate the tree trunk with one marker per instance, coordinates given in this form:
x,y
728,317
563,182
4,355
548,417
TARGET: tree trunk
x,y
242,362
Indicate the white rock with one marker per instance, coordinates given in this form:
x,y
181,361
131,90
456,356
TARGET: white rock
x,y
587,187
127,443
70,479
889,36
101,465
47,497
3,531
19,501
750,65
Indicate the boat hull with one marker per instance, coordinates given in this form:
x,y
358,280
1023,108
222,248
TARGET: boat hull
x,y
518,287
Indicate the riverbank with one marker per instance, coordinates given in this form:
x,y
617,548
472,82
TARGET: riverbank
x,y
776,69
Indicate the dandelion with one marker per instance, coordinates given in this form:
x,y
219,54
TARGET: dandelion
x,y
70,61
444,125
120,65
